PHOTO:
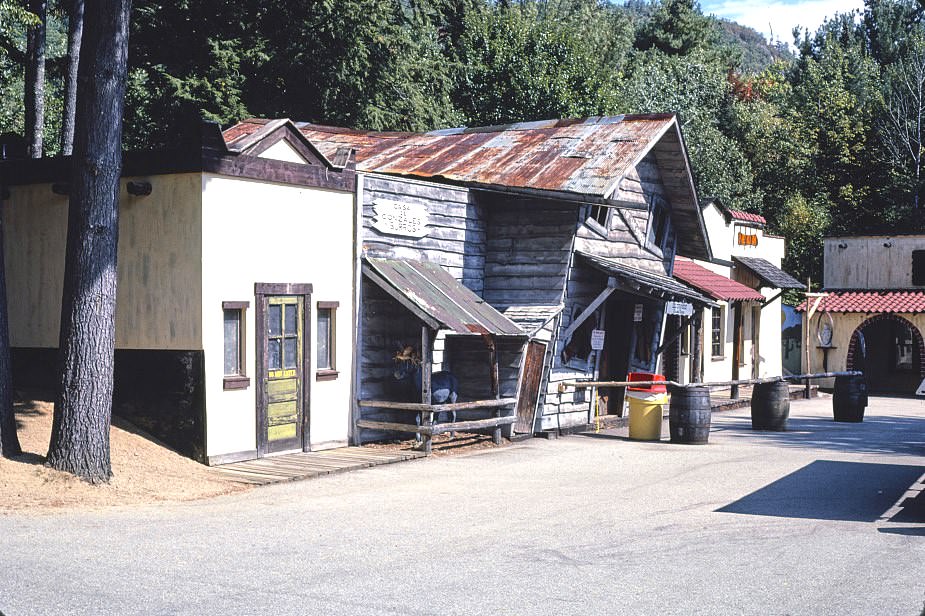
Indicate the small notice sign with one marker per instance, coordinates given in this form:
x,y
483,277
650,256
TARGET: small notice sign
x,y
637,314
680,308
397,218
597,339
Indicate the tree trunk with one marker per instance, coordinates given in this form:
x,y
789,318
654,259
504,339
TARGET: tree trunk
x,y
75,26
9,441
83,406
34,102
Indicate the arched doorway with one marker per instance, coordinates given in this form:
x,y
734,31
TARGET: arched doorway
x,y
890,351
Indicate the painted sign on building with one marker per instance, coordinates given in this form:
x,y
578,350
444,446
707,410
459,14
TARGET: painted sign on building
x,y
397,218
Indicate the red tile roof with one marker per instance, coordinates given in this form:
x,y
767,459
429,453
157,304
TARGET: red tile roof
x,y
871,301
746,216
711,283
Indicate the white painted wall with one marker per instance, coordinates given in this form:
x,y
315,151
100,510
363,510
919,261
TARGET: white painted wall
x,y
272,233
158,303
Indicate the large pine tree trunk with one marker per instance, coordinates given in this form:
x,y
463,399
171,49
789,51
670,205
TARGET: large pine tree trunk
x,y
75,26
9,441
83,406
34,99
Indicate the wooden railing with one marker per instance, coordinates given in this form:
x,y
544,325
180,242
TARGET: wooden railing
x,y
427,428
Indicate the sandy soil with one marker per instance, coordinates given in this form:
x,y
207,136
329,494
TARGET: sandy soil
x,y
144,471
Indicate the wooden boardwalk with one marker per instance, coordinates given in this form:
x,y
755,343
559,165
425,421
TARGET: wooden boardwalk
x,y
304,465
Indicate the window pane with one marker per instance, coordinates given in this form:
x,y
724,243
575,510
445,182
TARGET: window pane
x,y
324,339
274,354
291,353
232,342
275,319
292,313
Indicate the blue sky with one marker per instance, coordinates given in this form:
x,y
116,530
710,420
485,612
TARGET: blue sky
x,y
778,15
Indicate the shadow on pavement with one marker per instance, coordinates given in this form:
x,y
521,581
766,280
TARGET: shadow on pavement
x,y
877,434
830,490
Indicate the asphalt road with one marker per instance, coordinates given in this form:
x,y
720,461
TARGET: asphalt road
x,y
803,522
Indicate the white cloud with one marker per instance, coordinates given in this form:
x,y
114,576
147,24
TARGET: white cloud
x,y
779,16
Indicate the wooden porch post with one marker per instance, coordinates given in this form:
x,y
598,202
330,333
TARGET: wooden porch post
x,y
736,351
696,351
494,358
427,417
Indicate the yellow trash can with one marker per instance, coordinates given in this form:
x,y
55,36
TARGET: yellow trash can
x,y
646,410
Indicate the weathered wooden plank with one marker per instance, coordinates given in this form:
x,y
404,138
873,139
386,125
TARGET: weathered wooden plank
x,y
475,424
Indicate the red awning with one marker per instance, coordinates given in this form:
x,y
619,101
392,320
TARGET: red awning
x,y
711,283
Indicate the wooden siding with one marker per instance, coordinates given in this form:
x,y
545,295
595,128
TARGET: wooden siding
x,y
877,262
627,230
456,227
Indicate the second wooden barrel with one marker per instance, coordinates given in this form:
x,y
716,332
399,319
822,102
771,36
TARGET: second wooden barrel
x,y
770,406
849,398
689,415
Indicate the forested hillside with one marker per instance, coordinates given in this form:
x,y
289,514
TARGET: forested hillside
x,y
822,140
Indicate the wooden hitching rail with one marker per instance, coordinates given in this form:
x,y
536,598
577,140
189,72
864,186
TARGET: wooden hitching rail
x,y
428,428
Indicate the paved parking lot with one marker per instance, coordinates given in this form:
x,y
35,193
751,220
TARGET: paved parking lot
x,y
824,519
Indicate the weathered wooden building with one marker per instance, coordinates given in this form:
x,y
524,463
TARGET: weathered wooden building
x,y
236,265
567,229
873,313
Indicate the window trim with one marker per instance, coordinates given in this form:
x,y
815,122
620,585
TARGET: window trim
x,y
328,374
238,381
722,332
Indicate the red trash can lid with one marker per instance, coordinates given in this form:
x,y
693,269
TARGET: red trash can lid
x,y
647,376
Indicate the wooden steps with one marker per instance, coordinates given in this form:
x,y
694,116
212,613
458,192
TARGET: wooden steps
x,y
304,465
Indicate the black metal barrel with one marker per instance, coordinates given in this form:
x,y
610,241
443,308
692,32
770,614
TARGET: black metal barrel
x,y
689,415
770,406
849,398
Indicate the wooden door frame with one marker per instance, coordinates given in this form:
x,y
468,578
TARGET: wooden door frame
x,y
262,291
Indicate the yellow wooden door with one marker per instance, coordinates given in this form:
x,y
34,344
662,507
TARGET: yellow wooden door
x,y
283,373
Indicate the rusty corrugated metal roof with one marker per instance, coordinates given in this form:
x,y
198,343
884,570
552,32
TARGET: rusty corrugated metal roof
x,y
438,299
583,159
581,156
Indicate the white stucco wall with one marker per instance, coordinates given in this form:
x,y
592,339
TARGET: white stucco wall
x,y
273,233
158,303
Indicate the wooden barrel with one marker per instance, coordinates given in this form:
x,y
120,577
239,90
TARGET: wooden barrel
x,y
689,415
770,406
849,398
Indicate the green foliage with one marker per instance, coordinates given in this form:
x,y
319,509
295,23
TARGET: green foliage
x,y
677,27
516,63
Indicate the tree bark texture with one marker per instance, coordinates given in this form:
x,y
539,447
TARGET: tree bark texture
x,y
75,26
9,441
34,98
83,405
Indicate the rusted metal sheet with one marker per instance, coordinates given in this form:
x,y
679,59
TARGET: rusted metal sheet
x,y
437,298
649,283
584,156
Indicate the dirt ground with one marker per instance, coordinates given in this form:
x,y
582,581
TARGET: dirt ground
x,y
143,471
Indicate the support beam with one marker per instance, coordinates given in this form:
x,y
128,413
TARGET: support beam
x,y
593,306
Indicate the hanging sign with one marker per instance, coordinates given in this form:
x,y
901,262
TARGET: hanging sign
x,y
398,218
637,314
680,308
597,339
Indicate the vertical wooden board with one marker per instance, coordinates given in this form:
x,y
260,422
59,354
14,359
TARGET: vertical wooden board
x,y
530,387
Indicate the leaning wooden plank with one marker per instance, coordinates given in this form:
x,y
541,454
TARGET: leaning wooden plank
x,y
475,424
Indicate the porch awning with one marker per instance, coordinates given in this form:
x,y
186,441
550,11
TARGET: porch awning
x,y
647,283
770,275
436,298
711,283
